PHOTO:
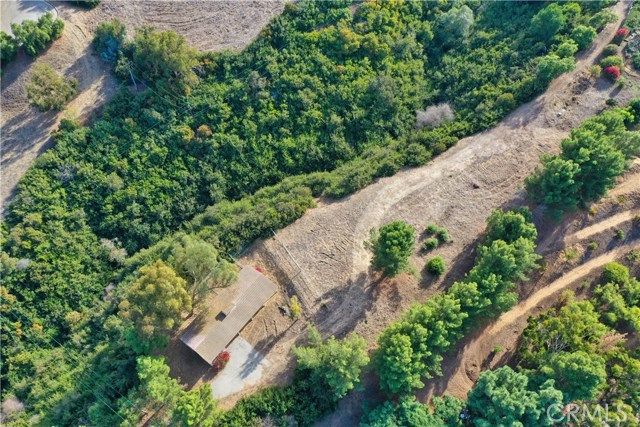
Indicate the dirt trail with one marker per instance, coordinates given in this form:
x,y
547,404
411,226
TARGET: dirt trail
x,y
603,225
514,322
207,25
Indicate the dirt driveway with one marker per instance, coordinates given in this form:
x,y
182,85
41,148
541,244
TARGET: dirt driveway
x,y
207,25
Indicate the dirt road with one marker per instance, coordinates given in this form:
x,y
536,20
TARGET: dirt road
x,y
207,25
17,11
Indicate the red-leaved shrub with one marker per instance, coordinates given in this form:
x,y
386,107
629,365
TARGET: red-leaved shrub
x,y
221,360
258,269
621,34
612,72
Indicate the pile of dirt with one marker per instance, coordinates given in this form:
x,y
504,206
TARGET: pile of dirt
x,y
207,25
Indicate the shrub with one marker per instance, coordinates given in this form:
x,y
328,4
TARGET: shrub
x,y
635,61
567,49
296,309
48,90
221,361
609,50
87,4
592,246
615,273
443,235
432,229
430,243
621,34
611,61
8,48
619,234
436,266
612,73
595,71
434,116
611,102
506,101
416,155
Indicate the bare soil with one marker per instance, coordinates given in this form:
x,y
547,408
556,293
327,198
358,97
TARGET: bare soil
x,y
207,25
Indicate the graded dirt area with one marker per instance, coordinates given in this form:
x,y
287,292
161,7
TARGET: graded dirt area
x,y
322,258
207,25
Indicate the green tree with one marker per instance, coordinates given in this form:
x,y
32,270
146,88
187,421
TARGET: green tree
x,y
551,66
164,59
34,36
509,226
549,21
615,272
597,157
501,398
8,48
580,375
399,367
157,393
110,39
199,263
453,26
196,408
332,367
155,302
583,35
555,185
406,413
48,90
510,262
549,333
392,245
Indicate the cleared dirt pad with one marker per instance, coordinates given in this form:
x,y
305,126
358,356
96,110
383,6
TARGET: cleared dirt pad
x,y
207,25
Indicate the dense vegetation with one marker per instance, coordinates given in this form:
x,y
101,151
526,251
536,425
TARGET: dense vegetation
x,y
322,89
595,154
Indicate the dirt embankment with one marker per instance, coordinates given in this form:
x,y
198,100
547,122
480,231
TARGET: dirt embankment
x,y
207,25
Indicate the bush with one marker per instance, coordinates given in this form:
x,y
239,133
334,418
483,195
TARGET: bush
x,y
615,273
619,234
567,49
221,361
87,4
432,229
592,246
430,244
612,73
635,61
35,36
392,245
110,39
436,266
294,306
434,116
48,90
8,48
416,155
609,50
443,235
611,61
621,34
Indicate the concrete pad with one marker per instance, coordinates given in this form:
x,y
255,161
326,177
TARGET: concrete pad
x,y
244,369
16,11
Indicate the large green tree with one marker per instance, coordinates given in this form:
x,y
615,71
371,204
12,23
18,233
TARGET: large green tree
x,y
580,375
555,185
155,302
331,367
199,263
392,245
502,398
164,59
